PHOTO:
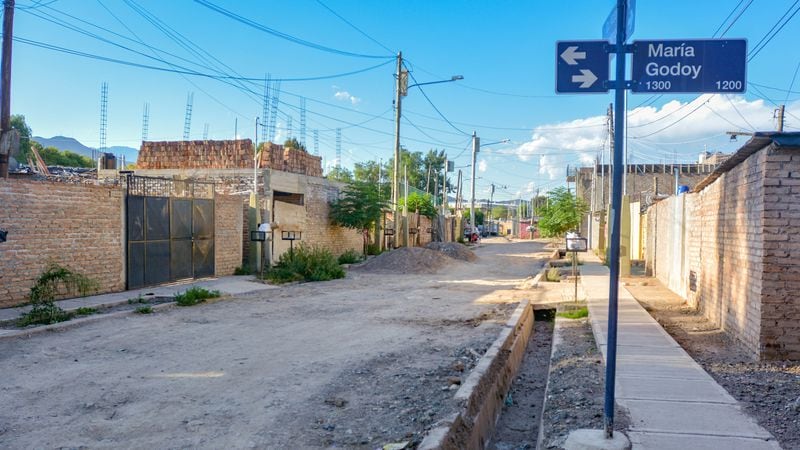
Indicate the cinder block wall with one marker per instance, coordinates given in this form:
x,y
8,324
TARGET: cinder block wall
x,y
228,230
780,304
78,226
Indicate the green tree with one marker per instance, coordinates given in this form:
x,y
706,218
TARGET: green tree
x,y
419,202
55,157
359,206
340,174
478,216
561,213
18,123
368,172
499,212
294,143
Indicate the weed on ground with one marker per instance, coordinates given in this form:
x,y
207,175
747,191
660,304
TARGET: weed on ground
x,y
195,295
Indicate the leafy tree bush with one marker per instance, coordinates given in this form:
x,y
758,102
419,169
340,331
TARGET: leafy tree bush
x,y
349,257
359,207
305,263
562,212
419,202
294,143
341,174
54,281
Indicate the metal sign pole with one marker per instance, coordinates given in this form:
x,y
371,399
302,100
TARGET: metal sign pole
x,y
616,203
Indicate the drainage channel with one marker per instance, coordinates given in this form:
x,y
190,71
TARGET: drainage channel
x,y
518,425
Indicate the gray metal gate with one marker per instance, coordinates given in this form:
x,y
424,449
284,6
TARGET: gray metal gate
x,y
170,230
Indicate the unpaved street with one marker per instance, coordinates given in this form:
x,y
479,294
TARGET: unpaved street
x,y
358,362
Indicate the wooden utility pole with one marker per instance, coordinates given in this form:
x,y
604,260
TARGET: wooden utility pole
x,y
5,89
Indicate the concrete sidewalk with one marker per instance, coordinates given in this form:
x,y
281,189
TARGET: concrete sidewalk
x,y
673,402
232,285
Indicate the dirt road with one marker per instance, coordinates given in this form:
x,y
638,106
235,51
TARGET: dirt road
x,y
358,362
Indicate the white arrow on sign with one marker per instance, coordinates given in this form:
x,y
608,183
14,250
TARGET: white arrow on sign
x,y
586,78
571,55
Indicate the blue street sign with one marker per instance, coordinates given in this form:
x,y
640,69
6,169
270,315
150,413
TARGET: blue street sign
x,y
610,25
581,67
690,65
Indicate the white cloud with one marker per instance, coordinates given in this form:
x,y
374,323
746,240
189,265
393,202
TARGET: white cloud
x,y
482,165
346,97
653,134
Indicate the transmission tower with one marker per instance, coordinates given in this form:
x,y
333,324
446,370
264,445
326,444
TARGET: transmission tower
x,y
338,147
145,121
187,122
315,134
289,127
273,114
265,111
303,120
103,119
205,132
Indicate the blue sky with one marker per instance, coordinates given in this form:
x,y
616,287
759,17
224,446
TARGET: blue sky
x,y
504,47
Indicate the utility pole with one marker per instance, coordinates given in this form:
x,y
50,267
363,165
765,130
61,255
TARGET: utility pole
x,y
398,97
5,89
444,188
780,112
476,146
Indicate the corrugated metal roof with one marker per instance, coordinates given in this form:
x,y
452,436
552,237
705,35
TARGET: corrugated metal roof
x,y
760,140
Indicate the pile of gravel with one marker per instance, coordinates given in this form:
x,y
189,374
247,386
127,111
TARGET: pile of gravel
x,y
407,260
453,250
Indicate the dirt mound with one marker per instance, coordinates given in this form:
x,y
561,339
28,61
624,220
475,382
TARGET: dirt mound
x,y
407,260
453,250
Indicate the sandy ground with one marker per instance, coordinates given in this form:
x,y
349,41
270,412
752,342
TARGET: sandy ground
x,y
357,362
769,391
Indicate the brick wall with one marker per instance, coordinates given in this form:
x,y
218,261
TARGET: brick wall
x,y
75,225
227,234
717,236
312,219
277,157
231,154
780,307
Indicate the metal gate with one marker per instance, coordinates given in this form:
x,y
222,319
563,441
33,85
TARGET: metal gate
x,y
170,230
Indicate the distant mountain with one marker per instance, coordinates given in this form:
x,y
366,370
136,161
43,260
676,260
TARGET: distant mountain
x,y
67,143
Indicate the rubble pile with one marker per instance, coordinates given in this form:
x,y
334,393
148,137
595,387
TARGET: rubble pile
x,y
407,260
453,250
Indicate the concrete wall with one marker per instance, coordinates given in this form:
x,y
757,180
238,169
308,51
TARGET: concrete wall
x,y
75,225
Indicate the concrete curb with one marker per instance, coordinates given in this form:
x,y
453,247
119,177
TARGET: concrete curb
x,y
74,323
482,395
554,345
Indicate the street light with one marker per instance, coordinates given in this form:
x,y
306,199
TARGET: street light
x,y
402,91
476,147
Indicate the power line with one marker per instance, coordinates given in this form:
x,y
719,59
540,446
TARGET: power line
x,y
355,27
282,35
759,46
673,123
434,106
